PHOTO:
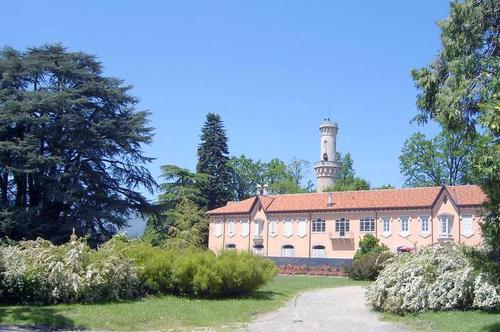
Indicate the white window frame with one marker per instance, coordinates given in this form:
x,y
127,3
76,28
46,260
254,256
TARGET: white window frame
x,y
287,252
231,225
318,225
245,227
463,231
318,252
346,222
425,220
370,222
273,227
386,231
287,227
301,227
258,228
445,219
218,228
402,232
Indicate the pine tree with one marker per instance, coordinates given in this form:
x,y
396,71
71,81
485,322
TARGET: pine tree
x,y
70,146
213,160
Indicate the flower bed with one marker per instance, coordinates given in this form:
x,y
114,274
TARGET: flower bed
x,y
323,270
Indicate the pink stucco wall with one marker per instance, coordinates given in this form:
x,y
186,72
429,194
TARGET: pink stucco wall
x,y
336,247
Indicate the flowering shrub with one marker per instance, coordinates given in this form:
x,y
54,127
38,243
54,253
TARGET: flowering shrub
x,y
435,278
40,272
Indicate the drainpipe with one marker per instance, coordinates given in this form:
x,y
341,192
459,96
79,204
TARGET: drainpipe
x,y
224,233
249,232
459,230
267,234
310,233
432,228
376,224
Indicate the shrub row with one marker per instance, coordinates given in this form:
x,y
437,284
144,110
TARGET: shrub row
x,y
196,272
323,270
39,272
435,278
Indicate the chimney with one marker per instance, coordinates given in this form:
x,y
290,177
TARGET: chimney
x,y
330,200
265,189
258,189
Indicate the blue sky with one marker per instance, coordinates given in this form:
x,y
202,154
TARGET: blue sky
x,y
269,68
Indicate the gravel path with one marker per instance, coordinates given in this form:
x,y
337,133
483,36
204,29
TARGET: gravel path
x,y
335,309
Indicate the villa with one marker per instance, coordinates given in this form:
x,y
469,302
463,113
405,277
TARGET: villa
x,y
330,224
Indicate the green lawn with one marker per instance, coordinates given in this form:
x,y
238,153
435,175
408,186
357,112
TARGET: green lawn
x,y
449,321
155,313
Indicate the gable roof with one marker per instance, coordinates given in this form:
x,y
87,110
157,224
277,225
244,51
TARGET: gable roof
x,y
425,197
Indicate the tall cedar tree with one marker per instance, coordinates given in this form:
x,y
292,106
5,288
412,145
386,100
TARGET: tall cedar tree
x,y
70,147
460,89
213,160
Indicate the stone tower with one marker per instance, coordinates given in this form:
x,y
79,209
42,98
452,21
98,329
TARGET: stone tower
x,y
327,168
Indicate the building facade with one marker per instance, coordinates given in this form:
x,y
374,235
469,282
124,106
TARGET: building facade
x,y
330,225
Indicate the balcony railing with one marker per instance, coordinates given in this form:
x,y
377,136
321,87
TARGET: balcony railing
x,y
340,235
258,239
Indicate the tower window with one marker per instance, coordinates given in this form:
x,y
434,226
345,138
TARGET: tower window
x,y
325,157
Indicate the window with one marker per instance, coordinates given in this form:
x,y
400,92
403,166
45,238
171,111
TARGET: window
x,y
424,224
273,228
318,225
445,223
258,249
245,228
405,224
342,226
318,251
218,228
230,246
386,225
287,251
302,228
230,228
367,225
467,225
257,232
288,227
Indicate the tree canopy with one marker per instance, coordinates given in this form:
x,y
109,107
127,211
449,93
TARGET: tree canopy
x,y
460,89
348,180
70,146
443,160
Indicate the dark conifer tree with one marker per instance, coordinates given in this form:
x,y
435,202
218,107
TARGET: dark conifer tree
x,y
213,160
70,146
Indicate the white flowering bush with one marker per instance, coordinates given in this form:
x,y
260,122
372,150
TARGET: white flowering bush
x,y
40,272
435,278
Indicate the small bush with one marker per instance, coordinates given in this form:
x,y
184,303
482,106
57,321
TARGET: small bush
x,y
435,278
368,266
322,270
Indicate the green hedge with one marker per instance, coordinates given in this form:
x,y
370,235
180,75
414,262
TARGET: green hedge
x,y
196,272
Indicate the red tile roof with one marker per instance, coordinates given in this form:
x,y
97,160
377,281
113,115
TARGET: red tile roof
x,y
357,200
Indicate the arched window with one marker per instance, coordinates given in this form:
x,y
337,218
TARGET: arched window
x,y
258,249
287,250
231,246
342,226
318,225
318,251
325,157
